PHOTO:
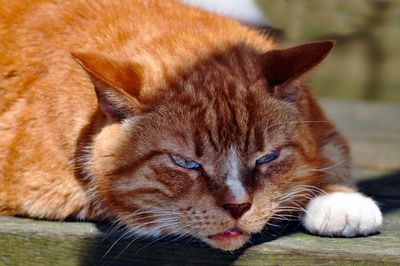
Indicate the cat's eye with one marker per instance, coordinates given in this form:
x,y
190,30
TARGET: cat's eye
x,y
185,163
269,157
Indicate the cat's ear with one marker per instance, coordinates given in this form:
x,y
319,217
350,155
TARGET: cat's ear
x,y
117,84
281,67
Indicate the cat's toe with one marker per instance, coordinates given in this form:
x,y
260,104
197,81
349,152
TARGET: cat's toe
x,y
342,214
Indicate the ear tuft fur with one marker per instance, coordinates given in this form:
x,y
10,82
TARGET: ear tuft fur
x,y
117,84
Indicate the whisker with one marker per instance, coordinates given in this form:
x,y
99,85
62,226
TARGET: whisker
x,y
129,231
306,187
157,239
291,197
133,240
164,218
330,167
297,122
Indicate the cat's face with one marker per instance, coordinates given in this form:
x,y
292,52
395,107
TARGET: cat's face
x,y
210,157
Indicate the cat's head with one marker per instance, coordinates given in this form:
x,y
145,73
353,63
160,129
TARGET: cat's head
x,y
212,156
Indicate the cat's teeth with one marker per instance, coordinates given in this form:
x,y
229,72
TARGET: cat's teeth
x,y
233,231
230,233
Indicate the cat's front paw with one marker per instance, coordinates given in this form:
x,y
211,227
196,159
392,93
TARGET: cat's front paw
x,y
342,214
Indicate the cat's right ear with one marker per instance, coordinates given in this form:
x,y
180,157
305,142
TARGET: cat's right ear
x,y
282,67
117,84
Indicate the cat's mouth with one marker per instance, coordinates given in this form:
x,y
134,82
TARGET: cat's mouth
x,y
231,239
228,234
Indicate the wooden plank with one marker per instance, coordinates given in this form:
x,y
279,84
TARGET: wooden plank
x,y
374,134
26,242
383,247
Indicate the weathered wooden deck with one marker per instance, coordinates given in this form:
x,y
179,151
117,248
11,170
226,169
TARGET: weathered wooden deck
x,y
374,134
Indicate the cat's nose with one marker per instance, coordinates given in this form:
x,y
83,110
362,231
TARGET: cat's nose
x,y
237,210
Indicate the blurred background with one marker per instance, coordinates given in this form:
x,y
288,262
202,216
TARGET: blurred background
x,y
365,64
366,61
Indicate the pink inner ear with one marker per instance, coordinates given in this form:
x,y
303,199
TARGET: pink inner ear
x,y
282,66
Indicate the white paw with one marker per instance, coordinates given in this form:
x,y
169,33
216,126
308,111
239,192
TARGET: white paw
x,y
342,214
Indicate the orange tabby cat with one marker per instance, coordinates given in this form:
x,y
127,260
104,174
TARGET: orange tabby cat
x,y
168,119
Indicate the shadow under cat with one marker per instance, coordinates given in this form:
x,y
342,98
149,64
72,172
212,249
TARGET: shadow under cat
x,y
385,190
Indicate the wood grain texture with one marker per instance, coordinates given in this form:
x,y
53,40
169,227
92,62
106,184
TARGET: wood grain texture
x,y
374,134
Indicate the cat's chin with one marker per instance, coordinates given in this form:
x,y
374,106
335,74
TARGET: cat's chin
x,y
227,241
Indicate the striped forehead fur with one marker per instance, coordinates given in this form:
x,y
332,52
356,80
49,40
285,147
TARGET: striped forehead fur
x,y
222,94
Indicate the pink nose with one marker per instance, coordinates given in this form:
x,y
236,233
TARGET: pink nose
x,y
237,210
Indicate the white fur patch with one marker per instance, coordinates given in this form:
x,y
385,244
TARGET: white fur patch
x,y
342,214
233,181
80,216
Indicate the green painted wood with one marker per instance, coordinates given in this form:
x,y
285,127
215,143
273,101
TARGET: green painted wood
x,y
374,134
27,242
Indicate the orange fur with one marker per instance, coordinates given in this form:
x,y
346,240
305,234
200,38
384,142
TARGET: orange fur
x,y
96,94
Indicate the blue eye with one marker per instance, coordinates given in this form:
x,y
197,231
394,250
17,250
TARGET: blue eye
x,y
268,158
185,163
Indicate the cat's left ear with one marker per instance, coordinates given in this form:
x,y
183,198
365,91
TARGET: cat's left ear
x,y
282,67
117,84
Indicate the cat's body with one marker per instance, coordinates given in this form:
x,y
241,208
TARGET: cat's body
x,y
170,82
